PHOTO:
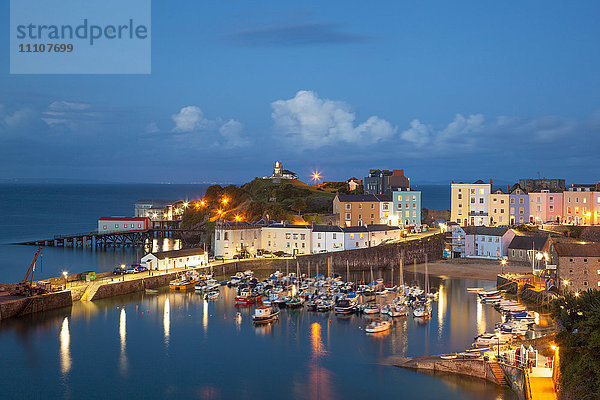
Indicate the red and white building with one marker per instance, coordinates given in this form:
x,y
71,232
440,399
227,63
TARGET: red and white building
x,y
123,224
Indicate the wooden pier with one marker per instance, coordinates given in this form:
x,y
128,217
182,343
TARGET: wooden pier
x,y
111,239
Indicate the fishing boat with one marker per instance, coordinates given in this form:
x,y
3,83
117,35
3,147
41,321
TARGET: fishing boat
x,y
490,339
378,326
151,291
264,315
294,302
247,296
182,284
474,289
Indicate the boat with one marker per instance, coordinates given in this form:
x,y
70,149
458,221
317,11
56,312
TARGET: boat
x,y
182,284
294,302
422,310
474,289
345,306
247,296
371,309
378,326
211,296
448,356
151,291
325,305
264,315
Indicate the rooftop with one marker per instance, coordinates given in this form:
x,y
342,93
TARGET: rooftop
x,y
357,198
528,242
327,228
196,251
485,230
578,249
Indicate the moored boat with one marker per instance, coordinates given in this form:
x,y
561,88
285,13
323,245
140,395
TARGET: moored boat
x,y
378,326
264,315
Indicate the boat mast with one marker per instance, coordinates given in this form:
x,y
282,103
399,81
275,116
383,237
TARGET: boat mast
x,y
401,270
426,275
347,271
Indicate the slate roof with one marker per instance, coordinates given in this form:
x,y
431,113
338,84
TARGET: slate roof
x,y
327,228
528,242
355,229
577,249
356,198
485,230
380,227
161,255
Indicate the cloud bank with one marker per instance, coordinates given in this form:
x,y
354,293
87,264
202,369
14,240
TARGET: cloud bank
x,y
312,122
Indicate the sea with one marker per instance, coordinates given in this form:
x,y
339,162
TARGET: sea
x,y
41,211
177,345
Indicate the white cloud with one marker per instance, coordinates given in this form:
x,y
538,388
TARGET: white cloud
x,y
231,131
461,128
190,118
70,115
313,122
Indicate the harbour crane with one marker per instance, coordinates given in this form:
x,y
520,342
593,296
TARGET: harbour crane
x,y
26,288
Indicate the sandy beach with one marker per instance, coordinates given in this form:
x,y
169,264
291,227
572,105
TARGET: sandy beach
x,y
471,269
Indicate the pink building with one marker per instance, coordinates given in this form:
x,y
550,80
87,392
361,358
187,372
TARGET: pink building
x,y
545,206
596,208
577,206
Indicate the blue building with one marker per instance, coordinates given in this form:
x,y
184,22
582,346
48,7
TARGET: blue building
x,y
407,207
518,205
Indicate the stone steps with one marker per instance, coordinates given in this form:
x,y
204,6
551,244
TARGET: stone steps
x,y
498,373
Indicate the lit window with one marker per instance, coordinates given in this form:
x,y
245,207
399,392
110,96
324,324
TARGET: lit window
x,y
481,191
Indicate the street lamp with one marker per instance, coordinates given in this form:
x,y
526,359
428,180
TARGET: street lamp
x,y
502,263
498,337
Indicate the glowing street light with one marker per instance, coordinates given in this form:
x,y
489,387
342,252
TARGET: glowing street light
x,y
65,273
186,204
237,217
316,177
224,200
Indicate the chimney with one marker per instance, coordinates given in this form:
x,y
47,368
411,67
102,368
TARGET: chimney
x,y
507,188
398,172
490,182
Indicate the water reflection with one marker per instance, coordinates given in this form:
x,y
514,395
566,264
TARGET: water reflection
x,y
65,351
122,335
205,316
167,322
441,308
319,378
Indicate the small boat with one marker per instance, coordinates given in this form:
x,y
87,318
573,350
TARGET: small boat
x,y
325,305
378,326
151,291
182,284
448,356
211,296
294,302
247,297
372,309
345,306
422,310
264,315
474,289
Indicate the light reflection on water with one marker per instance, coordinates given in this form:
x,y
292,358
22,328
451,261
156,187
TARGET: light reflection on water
x,y
65,352
306,354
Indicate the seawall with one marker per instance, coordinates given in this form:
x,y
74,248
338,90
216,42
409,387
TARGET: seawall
x,y
475,368
16,307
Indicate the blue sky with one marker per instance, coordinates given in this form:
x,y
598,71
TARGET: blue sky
x,y
445,90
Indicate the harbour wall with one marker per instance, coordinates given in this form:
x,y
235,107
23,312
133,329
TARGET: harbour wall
x,y
29,305
516,379
131,286
474,368
525,292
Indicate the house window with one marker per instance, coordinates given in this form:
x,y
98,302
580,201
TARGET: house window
x,y
352,236
472,200
348,205
288,235
347,215
460,196
269,235
116,225
226,245
520,253
570,271
302,236
512,201
372,215
360,206
318,235
226,236
104,227
361,235
319,244
551,208
269,243
295,236
521,201
571,260
481,200
585,283
372,205
288,245
472,191
481,191
218,235
302,245
334,235
513,252
400,197
551,199
585,260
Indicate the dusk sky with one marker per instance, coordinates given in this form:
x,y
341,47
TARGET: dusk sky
x,y
445,90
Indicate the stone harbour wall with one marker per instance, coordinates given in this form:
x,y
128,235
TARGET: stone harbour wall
x,y
34,304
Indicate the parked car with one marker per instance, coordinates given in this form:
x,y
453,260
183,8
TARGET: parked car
x,y
219,258
119,271
141,269
268,255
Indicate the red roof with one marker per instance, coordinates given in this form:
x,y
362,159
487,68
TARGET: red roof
x,y
122,218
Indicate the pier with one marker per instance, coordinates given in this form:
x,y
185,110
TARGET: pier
x,y
112,239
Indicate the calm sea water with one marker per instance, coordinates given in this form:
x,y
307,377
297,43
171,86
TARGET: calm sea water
x,y
176,345
29,212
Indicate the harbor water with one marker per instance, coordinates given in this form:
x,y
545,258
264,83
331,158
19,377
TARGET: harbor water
x,y
178,345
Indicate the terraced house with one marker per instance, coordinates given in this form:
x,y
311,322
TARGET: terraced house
x,y
360,209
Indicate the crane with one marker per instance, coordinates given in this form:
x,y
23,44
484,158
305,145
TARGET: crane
x,y
26,288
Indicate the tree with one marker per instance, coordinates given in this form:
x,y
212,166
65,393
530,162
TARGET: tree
x,y
298,205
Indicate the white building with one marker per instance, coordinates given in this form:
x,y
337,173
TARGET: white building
x,y
289,238
481,241
380,233
123,224
470,203
386,212
327,238
231,238
356,237
164,260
